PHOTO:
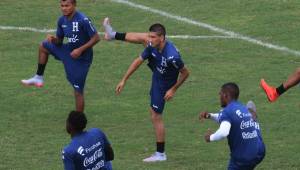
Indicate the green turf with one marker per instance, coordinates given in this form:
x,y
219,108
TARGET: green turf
x,y
32,120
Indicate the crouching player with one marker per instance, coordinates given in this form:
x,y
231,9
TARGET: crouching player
x,y
237,123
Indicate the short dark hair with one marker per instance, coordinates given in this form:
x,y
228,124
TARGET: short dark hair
x,y
77,120
158,28
72,1
232,89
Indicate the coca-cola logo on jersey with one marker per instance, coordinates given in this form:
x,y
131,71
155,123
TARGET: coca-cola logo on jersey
x,y
90,160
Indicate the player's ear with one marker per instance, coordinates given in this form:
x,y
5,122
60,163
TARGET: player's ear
x,y
162,38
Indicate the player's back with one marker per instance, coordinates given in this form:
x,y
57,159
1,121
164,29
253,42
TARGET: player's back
x,y
244,139
86,151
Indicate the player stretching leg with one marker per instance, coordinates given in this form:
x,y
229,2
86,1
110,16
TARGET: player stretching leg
x,y
165,62
273,93
76,55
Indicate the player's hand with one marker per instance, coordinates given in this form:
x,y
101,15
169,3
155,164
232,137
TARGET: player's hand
x,y
203,115
51,38
169,94
120,87
76,53
207,135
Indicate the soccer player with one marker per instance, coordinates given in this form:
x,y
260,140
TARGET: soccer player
x,y
166,64
88,149
273,93
76,55
132,37
237,123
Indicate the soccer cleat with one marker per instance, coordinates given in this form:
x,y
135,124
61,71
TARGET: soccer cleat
x,y
109,33
156,157
269,90
251,106
36,81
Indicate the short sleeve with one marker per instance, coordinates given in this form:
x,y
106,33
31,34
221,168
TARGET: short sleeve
x,y
177,62
102,135
146,53
89,27
67,160
59,30
224,116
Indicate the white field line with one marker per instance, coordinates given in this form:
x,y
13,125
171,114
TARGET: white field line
x,y
44,30
209,27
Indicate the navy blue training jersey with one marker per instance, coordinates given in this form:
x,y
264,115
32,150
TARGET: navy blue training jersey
x,y
165,65
244,139
86,151
78,31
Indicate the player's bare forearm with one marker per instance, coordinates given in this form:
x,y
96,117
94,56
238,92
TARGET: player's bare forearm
x,y
184,74
134,65
132,68
94,40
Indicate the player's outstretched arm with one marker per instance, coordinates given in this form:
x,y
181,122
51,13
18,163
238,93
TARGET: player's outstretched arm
x,y
221,133
78,51
184,74
134,66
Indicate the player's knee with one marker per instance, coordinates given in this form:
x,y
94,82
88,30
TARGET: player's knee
x,y
78,93
42,48
155,116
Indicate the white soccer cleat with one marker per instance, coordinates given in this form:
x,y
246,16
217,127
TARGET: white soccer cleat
x,y
109,33
251,105
156,157
252,109
37,81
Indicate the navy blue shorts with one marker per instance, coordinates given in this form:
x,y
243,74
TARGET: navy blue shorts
x,y
76,69
157,94
234,165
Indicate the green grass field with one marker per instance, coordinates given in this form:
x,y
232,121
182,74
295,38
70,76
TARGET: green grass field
x,y
32,121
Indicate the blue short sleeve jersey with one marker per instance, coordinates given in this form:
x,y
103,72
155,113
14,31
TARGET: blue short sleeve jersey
x,y
244,139
165,66
78,31
86,151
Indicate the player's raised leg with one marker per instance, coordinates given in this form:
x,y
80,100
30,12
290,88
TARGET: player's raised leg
x,y
292,80
273,93
132,37
159,128
38,80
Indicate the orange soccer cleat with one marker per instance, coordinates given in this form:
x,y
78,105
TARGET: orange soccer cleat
x,y
269,90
